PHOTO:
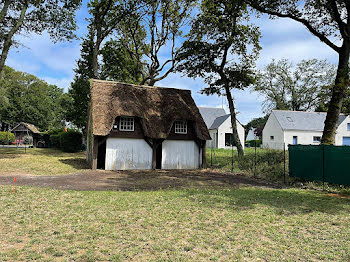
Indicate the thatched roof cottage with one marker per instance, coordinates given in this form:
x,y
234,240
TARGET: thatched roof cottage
x,y
143,127
23,130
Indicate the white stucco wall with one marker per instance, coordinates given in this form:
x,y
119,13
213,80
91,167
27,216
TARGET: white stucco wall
x,y
342,132
180,154
272,128
303,137
226,128
128,153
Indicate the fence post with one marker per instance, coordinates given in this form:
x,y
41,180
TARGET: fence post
x,y
211,156
284,162
255,159
231,157
323,167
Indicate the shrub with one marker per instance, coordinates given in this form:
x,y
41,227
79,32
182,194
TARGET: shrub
x,y
251,143
71,141
6,138
55,140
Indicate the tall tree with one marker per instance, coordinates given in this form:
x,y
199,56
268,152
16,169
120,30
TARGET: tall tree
x,y
117,65
106,17
152,33
30,99
79,92
222,49
300,88
33,16
329,21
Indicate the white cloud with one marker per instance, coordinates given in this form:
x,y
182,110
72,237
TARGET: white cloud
x,y
60,82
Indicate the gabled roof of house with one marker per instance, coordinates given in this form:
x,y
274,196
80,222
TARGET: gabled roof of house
x,y
31,127
157,108
306,121
209,114
218,121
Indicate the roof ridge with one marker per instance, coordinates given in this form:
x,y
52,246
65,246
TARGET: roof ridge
x,y
137,86
309,112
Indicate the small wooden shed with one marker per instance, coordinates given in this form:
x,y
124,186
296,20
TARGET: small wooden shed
x,y
143,127
25,129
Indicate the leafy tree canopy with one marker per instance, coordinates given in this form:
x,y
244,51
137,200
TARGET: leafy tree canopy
x,y
29,99
222,48
300,87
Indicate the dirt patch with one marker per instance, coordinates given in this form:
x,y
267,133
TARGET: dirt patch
x,y
135,180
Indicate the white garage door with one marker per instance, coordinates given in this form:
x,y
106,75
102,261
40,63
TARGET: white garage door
x,y
180,154
127,153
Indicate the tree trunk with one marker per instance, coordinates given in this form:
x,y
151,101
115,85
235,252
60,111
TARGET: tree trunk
x,y
95,54
4,9
9,36
235,136
341,85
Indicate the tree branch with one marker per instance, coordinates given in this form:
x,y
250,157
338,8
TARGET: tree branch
x,y
337,18
4,9
322,37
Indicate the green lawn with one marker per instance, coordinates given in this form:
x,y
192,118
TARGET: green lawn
x,y
40,161
188,224
245,223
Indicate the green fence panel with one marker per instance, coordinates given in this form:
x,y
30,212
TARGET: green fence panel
x,y
337,159
306,162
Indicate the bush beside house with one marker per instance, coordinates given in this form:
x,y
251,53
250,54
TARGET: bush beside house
x,y
70,141
6,138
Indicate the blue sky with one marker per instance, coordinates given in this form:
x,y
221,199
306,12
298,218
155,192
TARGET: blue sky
x,y
281,38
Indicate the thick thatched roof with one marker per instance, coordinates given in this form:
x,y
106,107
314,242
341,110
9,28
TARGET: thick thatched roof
x,y
31,127
157,108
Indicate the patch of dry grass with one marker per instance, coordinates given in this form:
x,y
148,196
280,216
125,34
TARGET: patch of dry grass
x,y
40,161
245,223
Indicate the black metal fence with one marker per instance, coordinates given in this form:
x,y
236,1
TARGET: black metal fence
x,y
271,164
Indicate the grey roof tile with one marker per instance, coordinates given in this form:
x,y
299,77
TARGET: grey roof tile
x,y
218,121
299,120
209,114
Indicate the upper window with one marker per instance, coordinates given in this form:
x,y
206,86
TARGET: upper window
x,y
126,123
317,139
272,137
181,127
348,126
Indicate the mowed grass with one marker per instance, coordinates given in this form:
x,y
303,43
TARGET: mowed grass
x,y
240,224
40,161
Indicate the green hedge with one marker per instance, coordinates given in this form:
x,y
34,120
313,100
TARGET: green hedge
x,y
252,143
71,141
6,138
55,141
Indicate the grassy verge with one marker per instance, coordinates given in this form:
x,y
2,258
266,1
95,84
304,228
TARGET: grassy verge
x,y
245,223
265,163
40,161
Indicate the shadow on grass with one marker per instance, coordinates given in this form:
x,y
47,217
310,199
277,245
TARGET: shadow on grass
x,y
77,163
218,190
51,152
284,202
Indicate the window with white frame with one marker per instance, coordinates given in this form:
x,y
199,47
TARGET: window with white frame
x,y
272,138
181,127
126,123
348,125
317,139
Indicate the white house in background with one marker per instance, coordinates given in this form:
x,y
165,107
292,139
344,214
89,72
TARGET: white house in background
x,y
304,128
219,125
251,135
